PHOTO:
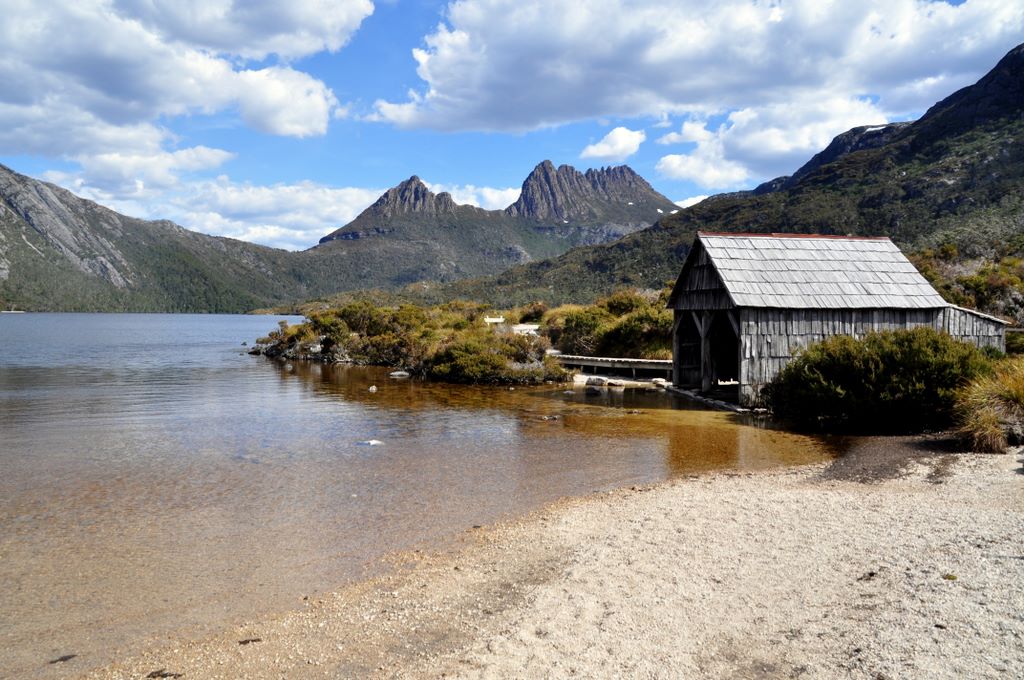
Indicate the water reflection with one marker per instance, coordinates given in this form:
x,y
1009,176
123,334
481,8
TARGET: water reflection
x,y
143,493
694,438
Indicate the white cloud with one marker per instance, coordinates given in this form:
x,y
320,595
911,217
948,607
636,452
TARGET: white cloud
x,y
617,145
253,29
707,165
291,216
82,77
488,198
282,101
692,131
518,65
525,64
692,200
129,183
762,142
707,168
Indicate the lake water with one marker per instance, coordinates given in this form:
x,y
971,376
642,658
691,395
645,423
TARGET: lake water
x,y
157,481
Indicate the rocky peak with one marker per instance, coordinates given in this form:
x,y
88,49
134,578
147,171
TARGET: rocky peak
x,y
413,196
566,193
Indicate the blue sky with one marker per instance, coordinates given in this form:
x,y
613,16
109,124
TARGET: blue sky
x,y
277,123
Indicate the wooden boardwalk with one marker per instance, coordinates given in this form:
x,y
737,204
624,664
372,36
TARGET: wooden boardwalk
x,y
663,367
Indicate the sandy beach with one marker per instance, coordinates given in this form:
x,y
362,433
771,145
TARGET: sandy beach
x,y
900,560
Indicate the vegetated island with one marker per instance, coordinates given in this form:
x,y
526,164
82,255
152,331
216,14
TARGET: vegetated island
x,y
467,342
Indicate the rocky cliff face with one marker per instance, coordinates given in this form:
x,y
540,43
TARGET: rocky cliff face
x,y
566,193
409,200
82,232
413,196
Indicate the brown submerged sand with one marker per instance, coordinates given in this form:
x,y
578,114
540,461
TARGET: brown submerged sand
x,y
916,570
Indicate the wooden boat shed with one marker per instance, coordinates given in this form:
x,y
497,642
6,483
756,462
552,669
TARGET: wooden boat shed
x,y
745,303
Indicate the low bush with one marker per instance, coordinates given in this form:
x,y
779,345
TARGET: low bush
x,y
447,342
624,301
492,360
627,323
645,333
893,381
582,330
990,410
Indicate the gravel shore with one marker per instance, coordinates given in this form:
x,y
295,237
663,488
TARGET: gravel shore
x,y
900,560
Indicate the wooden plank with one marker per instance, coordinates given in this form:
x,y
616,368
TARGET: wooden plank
x,y
706,367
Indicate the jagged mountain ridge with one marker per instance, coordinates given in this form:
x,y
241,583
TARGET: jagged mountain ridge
x,y
411,234
61,252
582,208
565,193
954,177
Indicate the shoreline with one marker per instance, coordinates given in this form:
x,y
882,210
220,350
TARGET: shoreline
x,y
784,573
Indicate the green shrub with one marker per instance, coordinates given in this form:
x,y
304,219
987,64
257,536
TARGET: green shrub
x,y
487,360
990,410
643,334
893,381
623,302
553,322
468,361
329,326
582,330
366,319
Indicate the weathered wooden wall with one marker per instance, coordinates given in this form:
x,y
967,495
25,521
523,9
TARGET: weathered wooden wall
x,y
699,286
968,326
770,337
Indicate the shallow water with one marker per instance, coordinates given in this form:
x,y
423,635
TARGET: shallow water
x,y
157,481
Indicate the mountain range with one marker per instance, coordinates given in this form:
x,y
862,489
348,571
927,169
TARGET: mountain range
x,y
62,252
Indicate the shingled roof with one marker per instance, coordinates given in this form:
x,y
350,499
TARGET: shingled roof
x,y
817,272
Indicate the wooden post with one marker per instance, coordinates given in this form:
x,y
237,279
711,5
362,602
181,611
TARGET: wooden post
x,y
704,328
676,374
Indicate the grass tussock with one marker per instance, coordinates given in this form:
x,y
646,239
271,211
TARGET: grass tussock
x,y
990,410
